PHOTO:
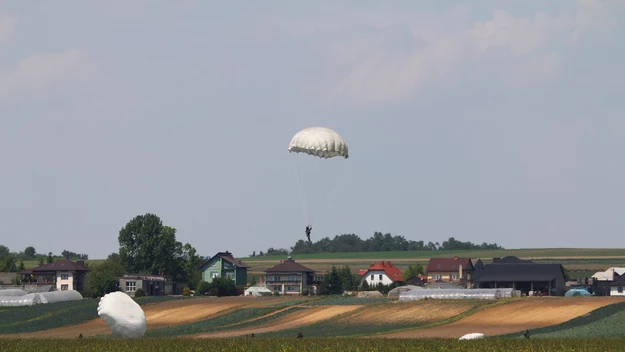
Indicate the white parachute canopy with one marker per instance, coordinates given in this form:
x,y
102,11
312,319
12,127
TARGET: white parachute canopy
x,y
472,336
122,314
319,155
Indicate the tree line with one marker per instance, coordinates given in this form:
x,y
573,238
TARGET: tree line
x,y
14,261
377,243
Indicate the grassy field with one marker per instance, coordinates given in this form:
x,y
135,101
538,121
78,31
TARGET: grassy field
x,y
424,255
314,344
29,264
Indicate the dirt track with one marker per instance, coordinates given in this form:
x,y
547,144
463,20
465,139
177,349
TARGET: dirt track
x,y
305,317
162,315
529,313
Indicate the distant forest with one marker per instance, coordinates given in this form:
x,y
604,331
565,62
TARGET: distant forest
x,y
377,243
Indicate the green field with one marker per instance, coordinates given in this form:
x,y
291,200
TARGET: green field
x,y
314,344
29,264
486,254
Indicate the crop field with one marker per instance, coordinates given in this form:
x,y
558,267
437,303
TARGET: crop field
x,y
53,315
313,344
572,253
605,322
380,318
334,322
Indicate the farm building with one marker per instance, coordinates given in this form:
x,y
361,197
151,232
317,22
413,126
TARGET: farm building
x,y
456,270
223,264
603,282
63,274
290,278
152,285
523,275
383,272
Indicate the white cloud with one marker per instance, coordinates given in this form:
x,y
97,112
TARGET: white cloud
x,y
42,71
516,49
7,25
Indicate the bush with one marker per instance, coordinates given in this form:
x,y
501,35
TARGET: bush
x,y
204,287
186,291
276,293
139,293
305,292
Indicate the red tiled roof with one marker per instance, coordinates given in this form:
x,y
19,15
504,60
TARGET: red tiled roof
x,y
289,265
448,264
61,265
391,271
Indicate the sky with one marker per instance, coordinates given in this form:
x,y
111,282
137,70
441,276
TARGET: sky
x,y
488,121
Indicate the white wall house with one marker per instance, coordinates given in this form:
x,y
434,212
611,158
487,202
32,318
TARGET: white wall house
x,y
617,291
381,273
64,280
375,277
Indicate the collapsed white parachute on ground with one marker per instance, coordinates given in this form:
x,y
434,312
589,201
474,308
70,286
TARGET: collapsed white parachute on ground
x,y
122,314
472,336
319,155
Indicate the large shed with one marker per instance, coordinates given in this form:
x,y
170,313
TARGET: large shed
x,y
523,275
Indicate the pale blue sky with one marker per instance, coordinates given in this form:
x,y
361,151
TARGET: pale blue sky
x,y
498,121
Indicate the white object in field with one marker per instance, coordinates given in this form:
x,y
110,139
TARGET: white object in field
x,y
472,336
122,314
319,141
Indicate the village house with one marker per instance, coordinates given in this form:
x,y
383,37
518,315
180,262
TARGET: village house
x,y
151,285
383,272
223,264
62,274
290,278
455,270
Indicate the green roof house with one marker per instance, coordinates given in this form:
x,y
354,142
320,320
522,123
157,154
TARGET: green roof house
x,y
223,264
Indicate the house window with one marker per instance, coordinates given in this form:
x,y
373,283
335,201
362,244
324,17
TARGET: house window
x,y
619,289
455,276
380,277
131,286
64,276
64,287
436,276
372,277
214,274
230,275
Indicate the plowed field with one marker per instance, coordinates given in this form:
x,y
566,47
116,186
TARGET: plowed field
x,y
528,313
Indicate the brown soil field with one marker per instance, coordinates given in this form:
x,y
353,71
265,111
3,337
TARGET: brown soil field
x,y
421,312
165,314
307,316
528,313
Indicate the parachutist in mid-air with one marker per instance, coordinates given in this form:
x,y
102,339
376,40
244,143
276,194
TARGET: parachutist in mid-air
x,y
308,229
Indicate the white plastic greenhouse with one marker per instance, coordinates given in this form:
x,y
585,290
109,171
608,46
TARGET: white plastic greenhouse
x,y
394,293
39,298
12,292
258,291
478,293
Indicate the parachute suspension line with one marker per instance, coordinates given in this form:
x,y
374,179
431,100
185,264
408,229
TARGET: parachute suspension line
x,y
325,191
299,188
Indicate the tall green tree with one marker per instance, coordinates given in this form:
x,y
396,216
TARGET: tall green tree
x,y
4,252
103,278
147,246
30,252
9,264
413,270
